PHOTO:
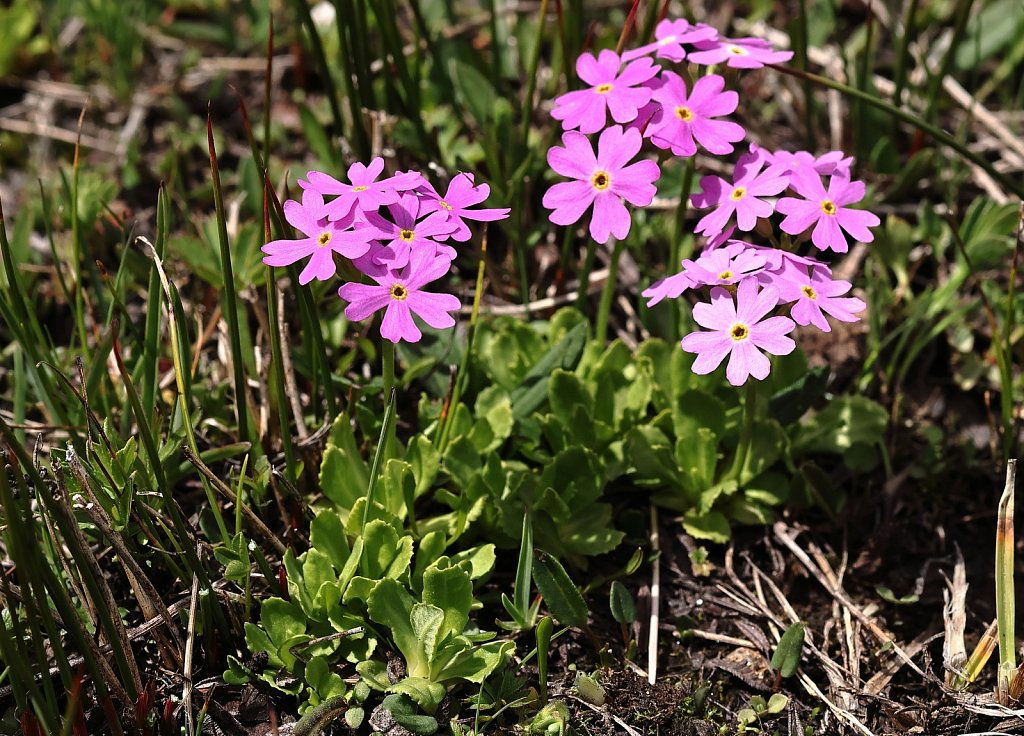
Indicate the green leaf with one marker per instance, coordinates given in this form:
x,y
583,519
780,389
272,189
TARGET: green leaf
x,y
428,695
792,402
776,704
494,420
385,554
533,390
403,708
375,674
846,420
621,602
711,525
327,534
281,620
322,680
343,473
451,590
566,394
431,547
425,462
390,605
427,622
887,595
477,663
786,657
480,560
563,598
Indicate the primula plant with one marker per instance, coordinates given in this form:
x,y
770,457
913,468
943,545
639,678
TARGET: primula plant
x,y
759,293
392,230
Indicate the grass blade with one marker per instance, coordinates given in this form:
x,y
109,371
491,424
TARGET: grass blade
x,y
1005,607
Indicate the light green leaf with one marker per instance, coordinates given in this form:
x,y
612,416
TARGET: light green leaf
x,y
451,590
428,695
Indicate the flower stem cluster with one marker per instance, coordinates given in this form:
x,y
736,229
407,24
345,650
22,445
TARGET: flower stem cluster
x,y
393,230
758,293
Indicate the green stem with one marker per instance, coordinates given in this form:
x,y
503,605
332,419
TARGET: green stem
x,y
746,431
387,364
463,375
941,136
1005,609
675,244
607,294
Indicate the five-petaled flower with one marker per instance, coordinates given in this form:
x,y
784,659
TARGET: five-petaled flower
x,y
364,191
604,181
814,294
670,35
739,331
455,203
826,211
741,197
620,93
410,228
323,239
739,53
683,117
400,293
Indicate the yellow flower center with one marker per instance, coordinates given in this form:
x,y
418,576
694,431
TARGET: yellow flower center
x,y
667,40
324,239
738,50
809,292
407,235
603,89
445,205
738,193
399,292
360,188
725,275
601,180
739,332
828,207
684,114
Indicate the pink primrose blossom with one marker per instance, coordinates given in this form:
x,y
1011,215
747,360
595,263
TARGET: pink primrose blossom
x,y
603,181
682,118
739,53
826,164
363,191
729,264
620,93
740,332
670,35
826,211
323,238
400,294
814,295
739,198
461,195
409,230
669,287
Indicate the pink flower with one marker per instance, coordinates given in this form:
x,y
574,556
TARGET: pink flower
x,y
409,233
739,331
401,295
826,164
814,293
364,192
739,197
826,211
621,94
604,181
739,53
670,36
682,118
726,265
323,239
669,287
460,196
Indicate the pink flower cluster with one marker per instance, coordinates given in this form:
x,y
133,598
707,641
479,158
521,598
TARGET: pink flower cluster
x,y
648,102
758,294
393,230
766,280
